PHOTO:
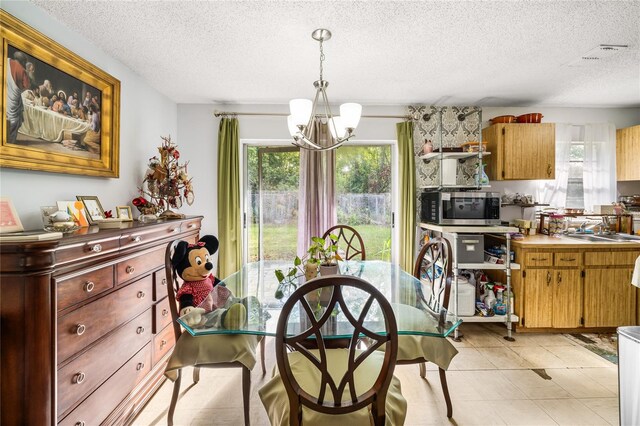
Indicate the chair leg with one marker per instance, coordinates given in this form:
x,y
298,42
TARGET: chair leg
x,y
262,346
445,390
196,375
423,370
246,391
174,398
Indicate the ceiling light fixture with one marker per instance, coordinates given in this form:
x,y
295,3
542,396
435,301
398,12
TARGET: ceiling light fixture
x,y
303,111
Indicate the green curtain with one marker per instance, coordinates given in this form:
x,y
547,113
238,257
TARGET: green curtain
x,y
407,184
229,224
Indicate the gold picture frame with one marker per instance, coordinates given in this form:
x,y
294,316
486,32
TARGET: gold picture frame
x,y
93,208
62,133
124,213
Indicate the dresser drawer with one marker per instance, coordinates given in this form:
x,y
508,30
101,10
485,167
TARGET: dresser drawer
x,y
538,259
161,315
87,250
143,236
137,266
72,290
85,373
567,259
163,342
100,403
85,325
159,285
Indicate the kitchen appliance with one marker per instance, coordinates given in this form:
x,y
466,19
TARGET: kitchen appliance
x,y
460,208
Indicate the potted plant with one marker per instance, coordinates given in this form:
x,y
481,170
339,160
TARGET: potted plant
x,y
325,255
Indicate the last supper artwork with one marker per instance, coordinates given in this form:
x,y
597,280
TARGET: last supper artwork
x,y
48,109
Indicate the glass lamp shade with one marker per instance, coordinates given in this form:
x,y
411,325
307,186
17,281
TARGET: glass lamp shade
x,y
300,111
339,130
350,113
293,129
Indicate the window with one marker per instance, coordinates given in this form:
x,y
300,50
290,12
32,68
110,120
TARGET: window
x,y
575,183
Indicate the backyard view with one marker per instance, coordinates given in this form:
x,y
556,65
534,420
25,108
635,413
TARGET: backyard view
x,y
363,191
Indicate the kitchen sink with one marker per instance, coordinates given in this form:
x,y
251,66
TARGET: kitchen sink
x,y
604,237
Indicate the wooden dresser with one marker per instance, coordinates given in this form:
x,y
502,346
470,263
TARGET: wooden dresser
x,y
85,324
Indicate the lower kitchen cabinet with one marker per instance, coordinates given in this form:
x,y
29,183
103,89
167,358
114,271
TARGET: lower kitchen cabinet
x,y
552,298
567,298
610,301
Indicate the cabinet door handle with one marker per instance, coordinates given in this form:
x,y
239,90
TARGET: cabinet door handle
x,y
141,294
140,366
130,269
549,170
568,259
88,286
559,278
165,312
139,330
96,248
548,278
539,259
80,329
136,239
78,378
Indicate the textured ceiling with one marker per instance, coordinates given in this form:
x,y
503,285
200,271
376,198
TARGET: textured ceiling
x,y
490,53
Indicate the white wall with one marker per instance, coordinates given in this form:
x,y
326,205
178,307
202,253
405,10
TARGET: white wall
x,y
145,115
198,143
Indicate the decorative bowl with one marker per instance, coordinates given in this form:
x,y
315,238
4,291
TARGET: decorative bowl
x,y
534,117
503,119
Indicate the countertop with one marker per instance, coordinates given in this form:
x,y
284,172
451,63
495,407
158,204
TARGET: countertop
x,y
545,241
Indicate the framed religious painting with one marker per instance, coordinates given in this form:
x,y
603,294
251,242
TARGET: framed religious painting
x,y
60,113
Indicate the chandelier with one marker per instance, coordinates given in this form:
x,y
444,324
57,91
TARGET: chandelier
x,y
303,111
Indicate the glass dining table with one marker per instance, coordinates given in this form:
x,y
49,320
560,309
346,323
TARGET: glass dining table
x,y
255,285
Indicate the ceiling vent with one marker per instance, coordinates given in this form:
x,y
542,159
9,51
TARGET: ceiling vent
x,y
597,54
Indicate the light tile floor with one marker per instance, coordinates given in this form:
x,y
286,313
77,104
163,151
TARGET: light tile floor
x,y
491,381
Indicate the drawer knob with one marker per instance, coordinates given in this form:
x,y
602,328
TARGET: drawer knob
x,y
165,312
89,286
162,343
140,330
136,239
80,329
539,259
141,294
174,230
130,270
163,282
80,423
96,248
567,259
140,366
191,225
78,378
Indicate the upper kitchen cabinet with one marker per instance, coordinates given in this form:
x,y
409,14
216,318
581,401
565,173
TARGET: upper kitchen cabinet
x,y
627,153
521,151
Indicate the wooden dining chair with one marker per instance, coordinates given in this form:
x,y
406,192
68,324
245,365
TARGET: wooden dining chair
x,y
334,386
432,267
210,351
347,239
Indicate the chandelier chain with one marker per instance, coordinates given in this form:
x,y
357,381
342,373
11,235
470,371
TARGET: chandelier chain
x,y
321,58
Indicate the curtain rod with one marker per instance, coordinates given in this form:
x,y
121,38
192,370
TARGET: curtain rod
x,y
278,114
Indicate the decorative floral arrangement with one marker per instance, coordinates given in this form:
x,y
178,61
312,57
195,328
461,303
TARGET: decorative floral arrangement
x,y
166,182
144,206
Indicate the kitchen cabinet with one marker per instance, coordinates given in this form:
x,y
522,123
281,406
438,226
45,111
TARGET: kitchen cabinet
x,y
520,151
627,153
552,295
610,299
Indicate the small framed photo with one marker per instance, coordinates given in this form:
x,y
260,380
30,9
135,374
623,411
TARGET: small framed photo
x,y
124,213
76,211
93,208
9,220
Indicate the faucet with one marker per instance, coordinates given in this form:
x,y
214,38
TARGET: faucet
x,y
582,227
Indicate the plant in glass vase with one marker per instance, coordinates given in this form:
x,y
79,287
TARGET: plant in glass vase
x,y
166,181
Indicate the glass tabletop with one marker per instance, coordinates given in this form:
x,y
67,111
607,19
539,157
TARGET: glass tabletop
x,y
254,288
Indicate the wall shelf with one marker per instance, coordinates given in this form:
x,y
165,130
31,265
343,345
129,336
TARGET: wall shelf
x,y
457,155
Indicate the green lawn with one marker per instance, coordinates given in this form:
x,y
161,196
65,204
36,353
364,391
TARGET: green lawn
x,y
280,241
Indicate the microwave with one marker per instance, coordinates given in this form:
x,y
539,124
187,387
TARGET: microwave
x,y
460,208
